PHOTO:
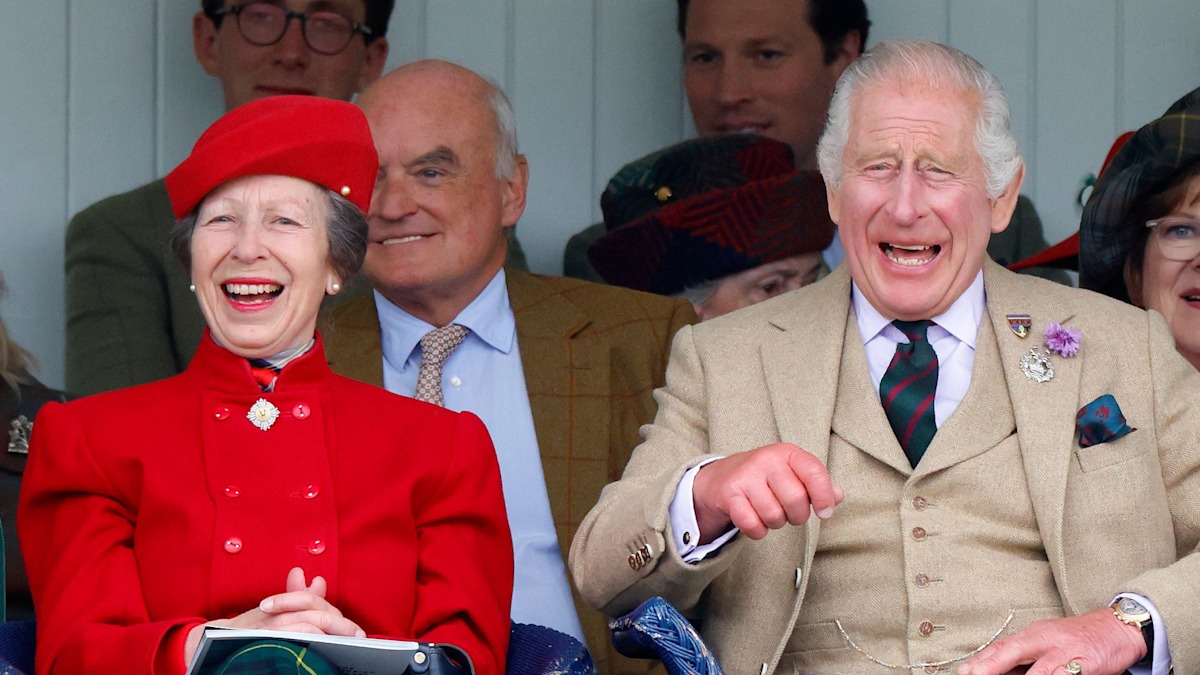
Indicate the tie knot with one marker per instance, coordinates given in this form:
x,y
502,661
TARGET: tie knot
x,y
437,344
915,331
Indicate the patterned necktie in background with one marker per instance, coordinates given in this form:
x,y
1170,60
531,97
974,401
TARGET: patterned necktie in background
x,y
908,388
436,347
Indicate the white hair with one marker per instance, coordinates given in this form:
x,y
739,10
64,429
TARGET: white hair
x,y
920,61
506,131
701,293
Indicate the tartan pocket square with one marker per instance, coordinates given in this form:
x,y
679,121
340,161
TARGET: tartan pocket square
x,y
1101,421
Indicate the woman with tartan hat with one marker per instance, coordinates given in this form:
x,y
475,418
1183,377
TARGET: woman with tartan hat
x,y
723,221
257,489
1139,239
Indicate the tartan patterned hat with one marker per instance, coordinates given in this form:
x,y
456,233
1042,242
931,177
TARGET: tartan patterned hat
x,y
323,141
1143,166
707,208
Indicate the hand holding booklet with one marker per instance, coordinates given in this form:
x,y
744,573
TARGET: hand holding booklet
x,y
351,656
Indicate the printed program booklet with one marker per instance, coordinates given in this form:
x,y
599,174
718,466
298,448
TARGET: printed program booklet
x,y
352,656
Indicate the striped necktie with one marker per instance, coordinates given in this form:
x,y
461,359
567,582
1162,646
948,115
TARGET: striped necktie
x,y
908,388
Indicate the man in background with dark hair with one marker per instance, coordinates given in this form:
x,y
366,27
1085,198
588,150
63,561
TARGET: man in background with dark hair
x,y
766,66
131,317
769,66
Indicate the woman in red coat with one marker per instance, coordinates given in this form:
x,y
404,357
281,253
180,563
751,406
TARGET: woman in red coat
x,y
258,489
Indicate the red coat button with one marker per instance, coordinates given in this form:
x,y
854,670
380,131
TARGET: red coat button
x,y
311,492
233,491
222,412
233,545
317,547
301,411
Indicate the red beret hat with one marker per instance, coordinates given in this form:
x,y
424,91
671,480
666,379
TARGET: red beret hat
x,y
320,140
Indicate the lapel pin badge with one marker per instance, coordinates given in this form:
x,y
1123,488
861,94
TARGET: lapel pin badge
x,y
1059,339
1036,366
1020,324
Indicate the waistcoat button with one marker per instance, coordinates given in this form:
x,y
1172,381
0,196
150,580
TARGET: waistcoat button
x,y
222,412
922,580
919,503
311,492
233,545
233,491
317,547
925,629
301,411
918,533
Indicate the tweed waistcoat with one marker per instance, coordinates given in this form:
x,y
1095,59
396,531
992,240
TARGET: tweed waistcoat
x,y
921,565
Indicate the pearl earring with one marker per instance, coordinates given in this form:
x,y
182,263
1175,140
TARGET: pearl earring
x,y
192,287
335,287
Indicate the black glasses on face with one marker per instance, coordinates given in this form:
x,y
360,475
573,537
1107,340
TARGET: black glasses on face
x,y
264,24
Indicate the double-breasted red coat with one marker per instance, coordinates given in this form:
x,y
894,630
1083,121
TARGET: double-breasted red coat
x,y
149,510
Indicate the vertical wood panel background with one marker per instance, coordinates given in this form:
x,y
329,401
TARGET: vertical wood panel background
x,y
34,85
552,91
99,97
1075,74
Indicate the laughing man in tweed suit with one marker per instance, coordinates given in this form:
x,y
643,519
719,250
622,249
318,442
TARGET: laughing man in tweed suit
x,y
561,371
1057,480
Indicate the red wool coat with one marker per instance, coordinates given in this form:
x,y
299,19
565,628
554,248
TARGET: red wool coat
x,y
149,510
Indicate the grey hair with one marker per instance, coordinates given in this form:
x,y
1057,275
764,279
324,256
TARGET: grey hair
x,y
929,62
506,131
700,293
346,229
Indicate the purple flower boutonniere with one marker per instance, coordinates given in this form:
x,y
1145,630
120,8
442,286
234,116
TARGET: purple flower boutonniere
x,y
1062,340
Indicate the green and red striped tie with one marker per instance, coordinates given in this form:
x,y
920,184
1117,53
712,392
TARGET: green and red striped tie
x,y
908,388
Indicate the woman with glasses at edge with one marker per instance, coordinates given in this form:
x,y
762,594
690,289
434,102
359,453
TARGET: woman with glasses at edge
x,y
1140,232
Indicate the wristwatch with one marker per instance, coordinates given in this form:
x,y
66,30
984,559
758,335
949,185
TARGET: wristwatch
x,y
1133,613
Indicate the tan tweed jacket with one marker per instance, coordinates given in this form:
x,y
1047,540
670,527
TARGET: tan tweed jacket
x,y
593,356
1118,516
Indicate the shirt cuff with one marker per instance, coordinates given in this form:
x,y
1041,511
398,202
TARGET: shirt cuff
x,y
684,528
1162,650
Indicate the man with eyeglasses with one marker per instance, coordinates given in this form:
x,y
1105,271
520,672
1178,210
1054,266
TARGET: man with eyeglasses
x,y
131,317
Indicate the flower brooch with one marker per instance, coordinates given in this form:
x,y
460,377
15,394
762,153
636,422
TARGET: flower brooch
x,y
1057,339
